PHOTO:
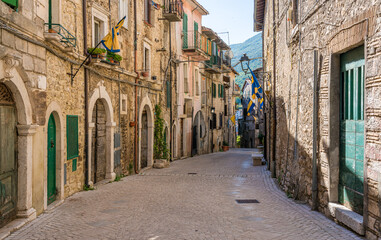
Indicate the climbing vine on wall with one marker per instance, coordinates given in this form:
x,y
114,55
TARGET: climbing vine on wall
x,y
160,150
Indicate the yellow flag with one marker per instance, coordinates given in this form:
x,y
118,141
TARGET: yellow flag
x,y
110,41
233,119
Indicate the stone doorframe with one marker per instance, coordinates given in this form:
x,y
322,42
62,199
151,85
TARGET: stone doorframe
x,y
13,76
146,103
55,109
101,94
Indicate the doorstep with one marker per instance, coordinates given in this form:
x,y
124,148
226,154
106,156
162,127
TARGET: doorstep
x,y
347,217
13,226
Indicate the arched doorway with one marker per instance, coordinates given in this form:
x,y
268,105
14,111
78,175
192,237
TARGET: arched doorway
x,y
198,133
101,136
98,158
145,134
51,145
8,156
144,140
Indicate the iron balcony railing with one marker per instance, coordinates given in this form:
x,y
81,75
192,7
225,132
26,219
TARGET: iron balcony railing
x,y
174,7
194,40
66,37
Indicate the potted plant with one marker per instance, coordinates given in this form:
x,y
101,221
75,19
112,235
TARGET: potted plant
x,y
97,52
225,146
160,150
117,58
145,74
110,57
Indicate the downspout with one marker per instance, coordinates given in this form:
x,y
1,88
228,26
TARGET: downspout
x,y
136,89
264,97
170,94
272,165
85,70
314,125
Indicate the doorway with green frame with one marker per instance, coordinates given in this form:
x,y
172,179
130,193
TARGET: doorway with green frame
x,y
351,172
51,145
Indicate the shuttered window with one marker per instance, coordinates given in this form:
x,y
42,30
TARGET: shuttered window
x,y
214,90
72,136
13,3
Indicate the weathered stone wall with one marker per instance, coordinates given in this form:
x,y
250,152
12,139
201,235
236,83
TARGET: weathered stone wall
x,y
331,32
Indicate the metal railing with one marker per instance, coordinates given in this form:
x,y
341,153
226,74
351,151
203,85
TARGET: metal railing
x,y
66,37
174,6
195,40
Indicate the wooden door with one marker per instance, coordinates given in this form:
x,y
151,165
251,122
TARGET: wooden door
x,y
51,144
8,159
144,141
351,175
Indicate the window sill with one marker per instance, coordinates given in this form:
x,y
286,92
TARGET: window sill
x,y
347,217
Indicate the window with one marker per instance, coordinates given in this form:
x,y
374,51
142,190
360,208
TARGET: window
x,y
99,22
54,12
186,87
123,11
214,90
123,104
147,11
168,84
72,136
147,58
12,3
221,121
197,82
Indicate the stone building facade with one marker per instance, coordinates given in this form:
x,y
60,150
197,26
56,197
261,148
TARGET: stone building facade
x,y
323,142
61,133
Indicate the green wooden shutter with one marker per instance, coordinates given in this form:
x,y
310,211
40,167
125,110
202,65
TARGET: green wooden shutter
x,y
214,90
185,31
72,136
12,3
222,91
196,38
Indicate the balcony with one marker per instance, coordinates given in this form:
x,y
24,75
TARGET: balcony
x,y
213,65
59,36
195,45
173,10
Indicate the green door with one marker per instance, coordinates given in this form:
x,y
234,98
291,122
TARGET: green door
x,y
8,162
51,160
185,31
351,175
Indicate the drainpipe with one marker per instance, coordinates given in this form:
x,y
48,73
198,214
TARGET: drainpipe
x,y
136,88
315,120
170,93
264,97
272,165
84,14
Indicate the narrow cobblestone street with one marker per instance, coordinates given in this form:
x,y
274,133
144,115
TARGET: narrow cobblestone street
x,y
193,199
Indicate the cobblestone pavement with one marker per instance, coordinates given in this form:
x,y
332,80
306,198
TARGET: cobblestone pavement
x,y
173,204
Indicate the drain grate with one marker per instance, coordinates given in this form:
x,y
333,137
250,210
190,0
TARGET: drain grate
x,y
239,201
192,173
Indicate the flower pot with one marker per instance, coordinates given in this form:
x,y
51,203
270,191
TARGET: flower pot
x,y
225,148
145,74
161,163
52,30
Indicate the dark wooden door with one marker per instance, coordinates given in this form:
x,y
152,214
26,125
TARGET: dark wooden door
x,y
144,141
8,159
351,175
51,160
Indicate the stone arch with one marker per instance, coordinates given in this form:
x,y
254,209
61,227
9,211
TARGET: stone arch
x,y
101,94
146,106
55,109
13,76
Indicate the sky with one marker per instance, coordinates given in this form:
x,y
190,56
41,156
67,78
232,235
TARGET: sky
x,y
233,16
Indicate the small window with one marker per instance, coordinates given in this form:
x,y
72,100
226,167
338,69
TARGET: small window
x,y
99,26
186,88
123,104
72,136
197,82
123,11
146,63
147,11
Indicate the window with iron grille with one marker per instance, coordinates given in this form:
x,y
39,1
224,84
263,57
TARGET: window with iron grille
x,y
72,136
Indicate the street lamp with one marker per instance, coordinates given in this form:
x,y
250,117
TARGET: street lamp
x,y
245,61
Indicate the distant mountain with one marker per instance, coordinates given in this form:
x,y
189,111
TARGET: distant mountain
x,y
253,48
